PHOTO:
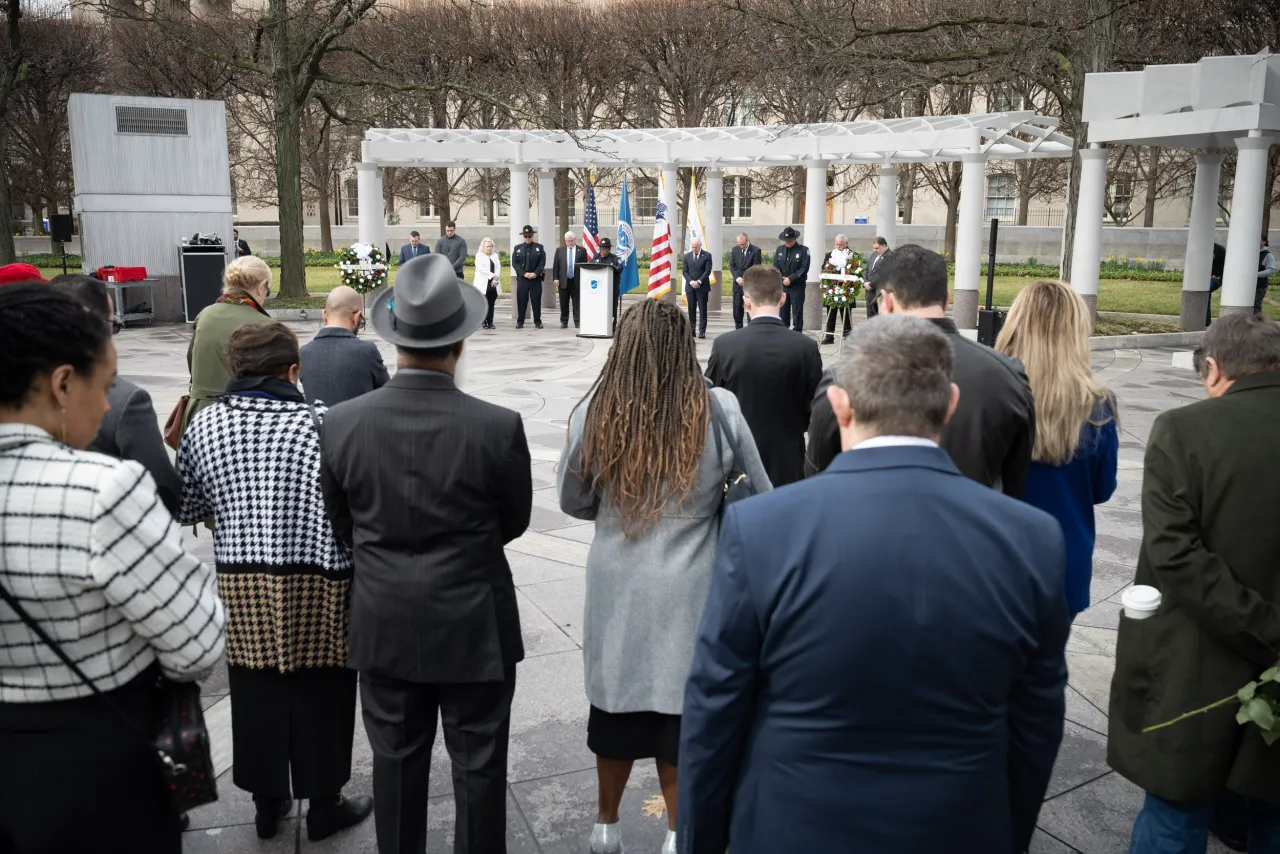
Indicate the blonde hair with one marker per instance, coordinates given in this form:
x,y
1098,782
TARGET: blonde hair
x,y
1048,329
488,240
244,274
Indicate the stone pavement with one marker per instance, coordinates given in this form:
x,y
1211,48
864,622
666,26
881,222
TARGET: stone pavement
x,y
551,798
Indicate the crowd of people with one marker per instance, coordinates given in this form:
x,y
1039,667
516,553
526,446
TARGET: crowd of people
x,y
854,642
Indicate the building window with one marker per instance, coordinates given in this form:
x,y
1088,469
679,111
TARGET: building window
x,y
644,200
1002,197
1121,196
1003,99
500,209
737,199
352,189
311,210
235,206
428,209
573,199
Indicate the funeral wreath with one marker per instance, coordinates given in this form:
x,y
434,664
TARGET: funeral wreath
x,y
362,267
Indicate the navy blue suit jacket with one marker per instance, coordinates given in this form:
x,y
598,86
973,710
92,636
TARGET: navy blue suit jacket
x,y
884,673
408,253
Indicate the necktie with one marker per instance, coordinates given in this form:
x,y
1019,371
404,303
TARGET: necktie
x,y
572,252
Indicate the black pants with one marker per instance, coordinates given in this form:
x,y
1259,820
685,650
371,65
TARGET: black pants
x,y
697,298
739,310
793,306
291,733
1215,283
491,294
526,290
400,719
569,293
873,304
75,777
1259,294
831,319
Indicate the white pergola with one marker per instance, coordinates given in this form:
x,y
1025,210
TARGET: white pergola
x,y
972,139
1218,103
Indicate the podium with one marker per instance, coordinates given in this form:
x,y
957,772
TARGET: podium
x,y
202,267
596,295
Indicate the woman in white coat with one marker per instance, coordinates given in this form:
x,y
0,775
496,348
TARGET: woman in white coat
x,y
488,279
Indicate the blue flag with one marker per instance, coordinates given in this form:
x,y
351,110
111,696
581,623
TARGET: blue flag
x,y
626,245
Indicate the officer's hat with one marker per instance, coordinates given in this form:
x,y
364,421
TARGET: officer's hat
x,y
606,243
789,233
527,231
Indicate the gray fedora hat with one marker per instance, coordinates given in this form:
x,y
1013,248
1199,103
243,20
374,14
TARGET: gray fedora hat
x,y
429,306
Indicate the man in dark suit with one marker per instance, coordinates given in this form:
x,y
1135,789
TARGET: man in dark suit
x,y
886,672
792,261
1210,486
435,629
241,246
773,372
880,255
742,258
697,285
129,430
994,428
414,248
565,276
528,263
337,365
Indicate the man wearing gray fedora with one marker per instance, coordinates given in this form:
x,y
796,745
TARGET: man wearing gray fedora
x,y
427,484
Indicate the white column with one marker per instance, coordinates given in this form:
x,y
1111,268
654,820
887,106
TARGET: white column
x,y
1200,232
547,230
517,215
670,179
713,215
973,191
1240,275
887,205
372,225
1086,252
815,237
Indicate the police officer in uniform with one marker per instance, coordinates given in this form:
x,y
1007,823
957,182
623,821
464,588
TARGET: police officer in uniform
x,y
528,260
606,256
792,261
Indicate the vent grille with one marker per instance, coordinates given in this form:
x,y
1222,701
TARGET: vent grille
x,y
162,121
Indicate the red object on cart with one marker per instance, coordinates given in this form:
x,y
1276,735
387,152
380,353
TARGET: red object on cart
x,y
122,274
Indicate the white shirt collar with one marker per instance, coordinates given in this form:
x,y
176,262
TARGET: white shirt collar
x,y
777,313
894,442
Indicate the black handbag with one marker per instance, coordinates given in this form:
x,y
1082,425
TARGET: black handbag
x,y
737,485
181,741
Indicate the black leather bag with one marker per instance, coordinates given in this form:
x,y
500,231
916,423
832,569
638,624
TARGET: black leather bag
x,y
737,485
181,741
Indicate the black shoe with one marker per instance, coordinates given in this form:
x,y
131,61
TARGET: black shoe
x,y
184,821
564,324
325,821
271,811
538,324
702,335
828,339
519,326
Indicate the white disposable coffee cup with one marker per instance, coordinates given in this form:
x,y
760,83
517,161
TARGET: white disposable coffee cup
x,y
1140,601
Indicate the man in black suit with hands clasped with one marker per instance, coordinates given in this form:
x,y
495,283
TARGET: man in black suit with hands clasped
x,y
564,273
435,628
773,372
697,285
742,258
876,267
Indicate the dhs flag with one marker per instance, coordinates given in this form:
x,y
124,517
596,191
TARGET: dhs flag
x,y
626,245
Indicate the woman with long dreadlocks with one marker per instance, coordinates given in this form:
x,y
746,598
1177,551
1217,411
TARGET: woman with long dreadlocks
x,y
642,462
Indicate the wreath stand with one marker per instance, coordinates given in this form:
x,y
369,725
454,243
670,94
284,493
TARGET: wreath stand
x,y
841,313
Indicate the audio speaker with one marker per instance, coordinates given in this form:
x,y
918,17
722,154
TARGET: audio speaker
x,y
61,227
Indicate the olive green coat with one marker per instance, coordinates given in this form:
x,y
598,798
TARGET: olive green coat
x,y
1211,545
207,352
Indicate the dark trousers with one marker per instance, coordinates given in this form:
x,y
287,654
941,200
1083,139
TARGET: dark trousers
x,y
74,777
697,298
526,290
1259,294
490,294
873,304
1215,283
568,293
400,719
793,306
739,310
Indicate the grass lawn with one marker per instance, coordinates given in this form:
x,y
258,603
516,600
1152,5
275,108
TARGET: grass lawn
x,y
1124,295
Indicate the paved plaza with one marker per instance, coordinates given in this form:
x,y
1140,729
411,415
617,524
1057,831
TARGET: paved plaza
x,y
551,798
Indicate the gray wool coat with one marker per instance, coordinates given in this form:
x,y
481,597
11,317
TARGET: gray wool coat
x,y
645,597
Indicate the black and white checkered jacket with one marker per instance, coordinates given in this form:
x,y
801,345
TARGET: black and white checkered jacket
x,y
89,550
253,463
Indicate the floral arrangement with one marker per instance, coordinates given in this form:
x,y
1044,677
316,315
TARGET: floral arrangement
x,y
1256,706
840,293
362,267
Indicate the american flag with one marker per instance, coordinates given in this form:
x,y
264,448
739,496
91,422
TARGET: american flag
x,y
591,224
660,255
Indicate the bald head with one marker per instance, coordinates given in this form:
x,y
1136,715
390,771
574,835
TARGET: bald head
x,y
343,308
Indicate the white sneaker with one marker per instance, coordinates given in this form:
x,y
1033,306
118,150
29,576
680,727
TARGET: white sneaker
x,y
607,839
669,846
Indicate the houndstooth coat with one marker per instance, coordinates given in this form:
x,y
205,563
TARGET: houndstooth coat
x,y
253,463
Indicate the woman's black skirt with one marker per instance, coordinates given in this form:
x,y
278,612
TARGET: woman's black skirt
x,y
629,736
75,777
291,733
